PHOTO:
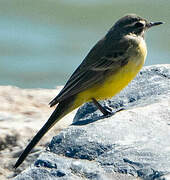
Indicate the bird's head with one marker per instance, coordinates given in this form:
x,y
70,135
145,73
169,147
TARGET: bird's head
x,y
133,24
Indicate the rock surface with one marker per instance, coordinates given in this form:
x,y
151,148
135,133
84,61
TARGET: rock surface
x,y
130,144
22,113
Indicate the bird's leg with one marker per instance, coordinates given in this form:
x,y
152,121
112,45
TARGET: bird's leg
x,y
100,107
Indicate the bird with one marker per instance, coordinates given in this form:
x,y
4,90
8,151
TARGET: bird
x,y
108,67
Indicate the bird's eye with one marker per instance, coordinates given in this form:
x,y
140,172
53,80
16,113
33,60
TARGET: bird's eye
x,y
139,25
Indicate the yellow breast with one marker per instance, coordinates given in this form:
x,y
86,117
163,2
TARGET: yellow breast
x,y
116,82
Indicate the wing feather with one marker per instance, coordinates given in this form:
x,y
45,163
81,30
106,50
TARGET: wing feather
x,y
93,69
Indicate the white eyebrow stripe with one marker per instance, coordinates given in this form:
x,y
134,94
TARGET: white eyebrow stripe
x,y
132,24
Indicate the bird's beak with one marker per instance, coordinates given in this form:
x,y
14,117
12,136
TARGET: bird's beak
x,y
151,24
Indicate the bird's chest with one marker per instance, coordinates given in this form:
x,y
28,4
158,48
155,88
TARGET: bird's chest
x,y
118,80
139,52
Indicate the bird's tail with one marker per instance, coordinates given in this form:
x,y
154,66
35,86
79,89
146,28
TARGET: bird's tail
x,y
61,110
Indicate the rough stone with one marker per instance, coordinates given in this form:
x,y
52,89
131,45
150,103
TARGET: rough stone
x,y
133,142
22,113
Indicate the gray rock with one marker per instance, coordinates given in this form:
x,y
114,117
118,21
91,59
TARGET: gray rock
x,y
132,143
22,113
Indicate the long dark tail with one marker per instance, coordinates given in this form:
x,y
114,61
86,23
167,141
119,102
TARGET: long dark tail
x,y
61,110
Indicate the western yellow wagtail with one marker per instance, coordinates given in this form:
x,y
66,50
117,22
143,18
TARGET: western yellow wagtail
x,y
110,65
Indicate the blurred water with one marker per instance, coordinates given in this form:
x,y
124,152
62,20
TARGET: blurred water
x,y
43,41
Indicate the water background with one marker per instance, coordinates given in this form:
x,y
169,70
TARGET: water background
x,y
43,41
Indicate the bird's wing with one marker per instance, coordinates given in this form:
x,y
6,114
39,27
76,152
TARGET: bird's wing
x,y
102,59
